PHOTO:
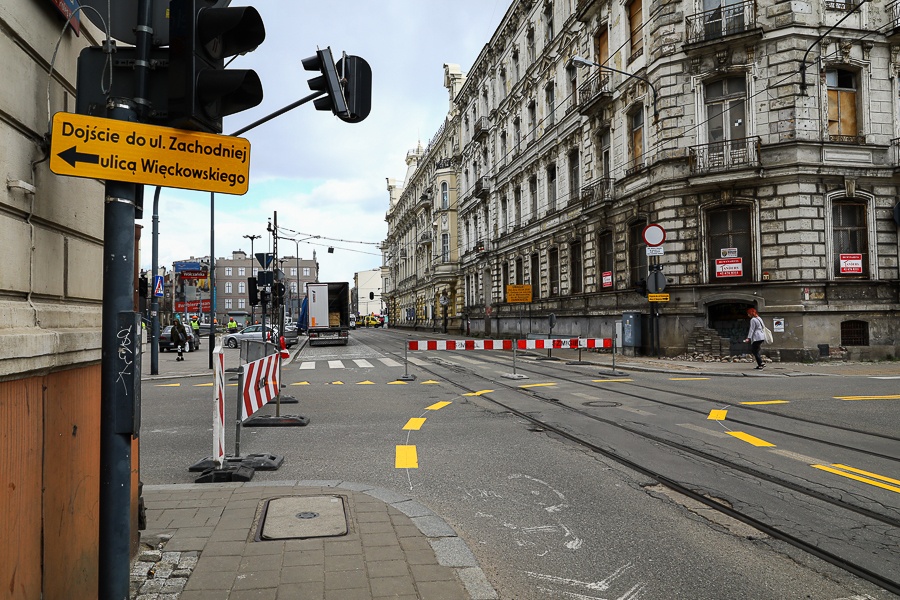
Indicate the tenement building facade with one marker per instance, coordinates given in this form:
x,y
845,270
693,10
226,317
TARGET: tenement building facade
x,y
761,136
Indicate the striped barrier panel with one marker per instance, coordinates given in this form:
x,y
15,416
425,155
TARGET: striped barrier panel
x,y
260,384
562,344
219,407
460,345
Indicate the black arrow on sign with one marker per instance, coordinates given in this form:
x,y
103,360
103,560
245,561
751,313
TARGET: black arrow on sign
x,y
72,156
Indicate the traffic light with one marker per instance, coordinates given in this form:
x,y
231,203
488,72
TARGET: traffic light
x,y
201,37
254,291
143,287
371,295
356,77
328,81
278,290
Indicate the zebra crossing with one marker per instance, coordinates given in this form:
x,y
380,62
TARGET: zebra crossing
x,y
309,365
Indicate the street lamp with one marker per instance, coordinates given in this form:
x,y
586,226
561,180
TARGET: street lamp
x,y
579,61
252,258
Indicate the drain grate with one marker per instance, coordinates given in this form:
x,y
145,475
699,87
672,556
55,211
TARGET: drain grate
x,y
298,517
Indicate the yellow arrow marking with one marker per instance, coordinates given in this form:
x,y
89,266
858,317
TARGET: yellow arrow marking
x,y
301,383
891,397
766,402
414,424
717,415
406,458
203,385
478,393
438,405
531,385
430,382
858,478
397,383
366,382
609,380
168,385
688,378
749,438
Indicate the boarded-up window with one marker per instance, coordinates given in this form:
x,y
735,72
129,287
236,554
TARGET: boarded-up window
x,y
636,125
635,23
842,103
601,45
637,252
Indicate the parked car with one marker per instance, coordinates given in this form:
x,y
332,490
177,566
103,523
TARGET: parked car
x,y
352,321
369,321
165,341
233,340
291,335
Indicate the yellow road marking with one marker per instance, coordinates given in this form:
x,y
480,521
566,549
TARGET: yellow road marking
x,y
301,383
203,385
531,385
235,385
168,385
717,415
867,474
891,397
688,378
749,438
478,393
397,383
336,383
406,458
609,380
765,402
430,382
438,405
366,382
414,424
858,478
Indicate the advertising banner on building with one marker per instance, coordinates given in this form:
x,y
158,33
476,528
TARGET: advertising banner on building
x,y
851,264
193,306
729,267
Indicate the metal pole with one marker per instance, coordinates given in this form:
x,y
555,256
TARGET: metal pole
x,y
154,302
515,345
615,343
237,415
212,277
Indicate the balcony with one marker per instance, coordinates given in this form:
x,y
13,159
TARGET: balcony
x,y
482,187
425,238
444,163
724,156
482,128
596,192
893,14
730,20
425,199
635,165
847,139
586,9
594,93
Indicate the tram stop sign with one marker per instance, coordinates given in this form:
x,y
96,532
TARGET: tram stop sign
x,y
656,282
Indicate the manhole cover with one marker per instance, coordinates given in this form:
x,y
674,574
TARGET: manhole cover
x,y
303,517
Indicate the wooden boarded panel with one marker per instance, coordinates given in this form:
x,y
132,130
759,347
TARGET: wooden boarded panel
x,y
21,435
72,483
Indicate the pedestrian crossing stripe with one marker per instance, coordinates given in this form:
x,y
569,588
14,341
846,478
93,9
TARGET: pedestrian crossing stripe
x,y
301,383
438,405
414,424
396,383
366,382
406,458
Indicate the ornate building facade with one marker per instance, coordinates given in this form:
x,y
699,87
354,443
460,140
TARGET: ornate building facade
x,y
776,191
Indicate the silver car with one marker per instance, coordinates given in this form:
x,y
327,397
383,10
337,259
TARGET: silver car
x,y
252,332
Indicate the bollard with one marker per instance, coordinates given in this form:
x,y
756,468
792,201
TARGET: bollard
x,y
406,376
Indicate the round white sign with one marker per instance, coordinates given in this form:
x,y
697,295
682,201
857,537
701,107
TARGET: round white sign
x,y
654,235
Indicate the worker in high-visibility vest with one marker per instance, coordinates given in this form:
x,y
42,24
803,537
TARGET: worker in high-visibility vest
x,y
232,326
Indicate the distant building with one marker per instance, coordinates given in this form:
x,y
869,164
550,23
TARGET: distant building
x,y
366,294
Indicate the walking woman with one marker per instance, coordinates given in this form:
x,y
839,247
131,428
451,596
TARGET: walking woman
x,y
756,336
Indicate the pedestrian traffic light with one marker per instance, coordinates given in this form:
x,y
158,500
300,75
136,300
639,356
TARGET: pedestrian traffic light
x,y
356,78
254,291
328,82
201,37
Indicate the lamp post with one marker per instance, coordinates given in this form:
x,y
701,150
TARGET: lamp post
x,y
252,258
579,61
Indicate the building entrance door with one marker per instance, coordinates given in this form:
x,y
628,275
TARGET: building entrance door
x,y
730,320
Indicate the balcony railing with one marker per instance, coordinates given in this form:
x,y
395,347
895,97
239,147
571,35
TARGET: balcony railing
x,y
596,191
725,155
729,19
596,88
635,165
444,163
893,11
482,126
847,139
482,186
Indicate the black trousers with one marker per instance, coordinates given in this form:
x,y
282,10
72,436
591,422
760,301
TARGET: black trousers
x,y
754,348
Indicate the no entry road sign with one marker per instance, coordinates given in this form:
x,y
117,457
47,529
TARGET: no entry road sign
x,y
85,146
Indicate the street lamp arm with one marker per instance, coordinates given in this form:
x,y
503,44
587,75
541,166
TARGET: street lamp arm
x,y
806,54
579,61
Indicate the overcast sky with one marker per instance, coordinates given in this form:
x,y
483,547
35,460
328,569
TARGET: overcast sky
x,y
325,177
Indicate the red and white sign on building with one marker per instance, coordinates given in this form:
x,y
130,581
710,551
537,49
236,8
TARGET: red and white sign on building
x,y
729,267
607,279
260,384
219,407
851,264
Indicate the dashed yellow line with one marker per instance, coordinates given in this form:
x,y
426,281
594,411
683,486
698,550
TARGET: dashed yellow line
x,y
851,473
890,397
406,458
203,385
168,385
414,424
717,415
750,439
301,383
366,382
438,405
398,382
758,402
609,380
336,383
531,385
431,382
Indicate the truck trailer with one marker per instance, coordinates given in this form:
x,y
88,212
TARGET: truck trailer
x,y
328,313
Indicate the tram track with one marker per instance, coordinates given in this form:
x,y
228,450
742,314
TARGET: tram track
x,y
885,578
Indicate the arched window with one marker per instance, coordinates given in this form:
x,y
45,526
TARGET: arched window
x,y
850,238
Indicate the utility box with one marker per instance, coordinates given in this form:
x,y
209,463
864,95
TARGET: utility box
x,y
631,330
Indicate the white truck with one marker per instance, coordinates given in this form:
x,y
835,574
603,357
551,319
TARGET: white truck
x,y
328,313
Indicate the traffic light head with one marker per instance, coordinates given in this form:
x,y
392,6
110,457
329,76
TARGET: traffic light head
x,y
254,291
356,76
143,287
328,82
371,295
201,37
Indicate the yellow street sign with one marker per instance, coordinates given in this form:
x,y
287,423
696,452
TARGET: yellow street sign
x,y
658,297
85,146
518,293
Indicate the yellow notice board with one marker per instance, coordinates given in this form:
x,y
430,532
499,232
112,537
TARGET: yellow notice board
x,y
518,293
658,297
85,146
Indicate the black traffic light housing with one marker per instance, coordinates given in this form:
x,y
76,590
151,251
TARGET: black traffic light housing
x,y
371,295
201,37
253,290
143,287
328,82
356,77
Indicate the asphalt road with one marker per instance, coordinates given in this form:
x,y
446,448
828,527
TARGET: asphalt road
x,y
545,517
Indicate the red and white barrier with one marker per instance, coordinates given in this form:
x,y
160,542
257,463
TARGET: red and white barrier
x,y
572,343
260,384
219,407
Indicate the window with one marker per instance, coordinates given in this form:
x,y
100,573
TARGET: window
x,y
242,287
572,79
532,119
242,271
637,253
854,333
255,271
548,22
228,287
842,103
227,271
242,303
606,260
529,46
517,206
445,247
551,188
550,96
636,139
227,303
601,44
294,287
503,89
306,271
520,271
553,268
502,156
504,280
532,191
515,63
445,196
850,238
293,271
729,244
575,268
722,17
635,25
503,215
517,134
534,273
605,163
574,175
